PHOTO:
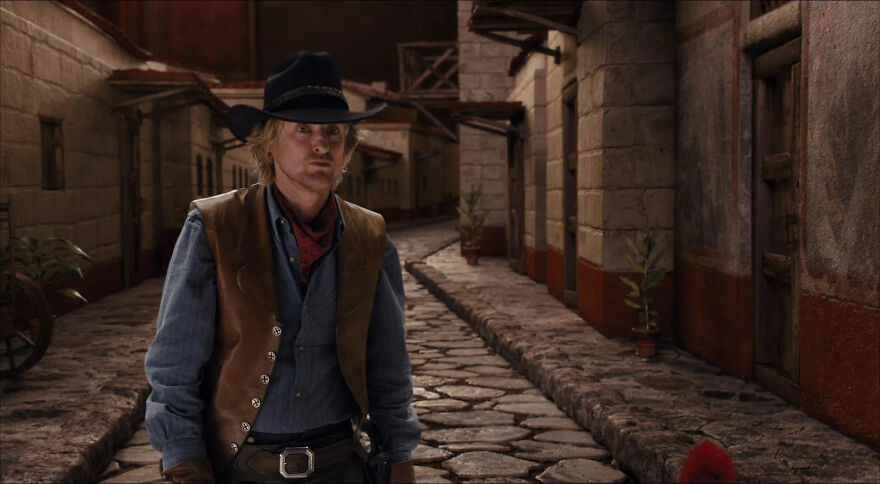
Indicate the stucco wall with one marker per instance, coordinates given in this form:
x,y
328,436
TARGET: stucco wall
x,y
842,235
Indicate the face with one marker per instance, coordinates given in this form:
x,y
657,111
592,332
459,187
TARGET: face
x,y
308,156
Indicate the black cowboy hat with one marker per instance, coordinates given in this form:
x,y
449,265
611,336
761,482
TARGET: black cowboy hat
x,y
305,88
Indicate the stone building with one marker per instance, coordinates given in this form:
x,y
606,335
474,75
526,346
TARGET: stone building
x,y
104,145
745,133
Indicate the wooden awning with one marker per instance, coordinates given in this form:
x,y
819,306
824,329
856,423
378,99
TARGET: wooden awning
x,y
496,117
489,17
185,87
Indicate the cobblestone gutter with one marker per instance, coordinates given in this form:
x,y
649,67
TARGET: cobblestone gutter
x,y
648,413
63,419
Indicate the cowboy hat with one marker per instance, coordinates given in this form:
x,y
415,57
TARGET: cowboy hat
x,y
305,88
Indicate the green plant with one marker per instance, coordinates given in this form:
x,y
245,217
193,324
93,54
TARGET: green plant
x,y
46,261
643,258
476,218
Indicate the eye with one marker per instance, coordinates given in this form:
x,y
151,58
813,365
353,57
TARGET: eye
x,y
302,128
333,130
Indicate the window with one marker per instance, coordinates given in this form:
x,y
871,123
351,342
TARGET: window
x,y
200,187
52,143
210,176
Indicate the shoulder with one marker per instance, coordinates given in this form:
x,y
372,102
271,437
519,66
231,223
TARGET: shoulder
x,y
366,220
233,205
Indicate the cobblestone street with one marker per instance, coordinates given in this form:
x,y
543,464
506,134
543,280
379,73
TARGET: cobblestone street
x,y
483,421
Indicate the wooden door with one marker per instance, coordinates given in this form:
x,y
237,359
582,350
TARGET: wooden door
x,y
569,193
516,204
775,218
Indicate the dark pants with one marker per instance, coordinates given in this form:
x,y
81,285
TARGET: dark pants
x,y
348,469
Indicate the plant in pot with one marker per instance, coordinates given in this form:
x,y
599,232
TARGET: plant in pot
x,y
643,257
471,233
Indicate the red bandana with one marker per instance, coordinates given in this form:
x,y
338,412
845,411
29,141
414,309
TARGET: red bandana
x,y
314,238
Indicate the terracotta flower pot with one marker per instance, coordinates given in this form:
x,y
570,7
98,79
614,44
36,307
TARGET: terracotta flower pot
x,y
646,341
471,255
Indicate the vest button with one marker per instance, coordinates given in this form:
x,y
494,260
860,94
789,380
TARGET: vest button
x,y
298,394
264,379
271,355
234,447
301,348
276,330
291,259
245,426
256,402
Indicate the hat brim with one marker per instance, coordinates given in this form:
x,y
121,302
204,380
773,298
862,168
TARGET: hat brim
x,y
243,118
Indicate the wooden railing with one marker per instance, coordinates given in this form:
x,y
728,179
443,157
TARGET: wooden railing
x,y
428,70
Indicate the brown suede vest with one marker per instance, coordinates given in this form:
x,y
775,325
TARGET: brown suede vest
x,y
247,334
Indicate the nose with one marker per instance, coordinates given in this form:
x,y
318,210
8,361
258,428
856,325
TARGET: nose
x,y
319,141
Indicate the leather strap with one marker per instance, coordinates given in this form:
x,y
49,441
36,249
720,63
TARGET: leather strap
x,y
264,460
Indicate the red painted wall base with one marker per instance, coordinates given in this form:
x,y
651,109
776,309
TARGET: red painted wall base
x,y
600,301
840,364
536,264
714,312
556,272
493,242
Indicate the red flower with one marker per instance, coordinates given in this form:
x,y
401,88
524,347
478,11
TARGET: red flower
x,y
707,463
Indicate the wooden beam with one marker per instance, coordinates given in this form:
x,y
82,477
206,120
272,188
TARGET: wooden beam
x,y
566,29
556,53
431,68
153,97
445,78
483,123
434,119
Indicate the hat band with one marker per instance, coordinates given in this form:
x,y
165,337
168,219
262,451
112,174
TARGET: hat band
x,y
306,91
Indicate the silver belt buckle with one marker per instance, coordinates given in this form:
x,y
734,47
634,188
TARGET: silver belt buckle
x,y
282,464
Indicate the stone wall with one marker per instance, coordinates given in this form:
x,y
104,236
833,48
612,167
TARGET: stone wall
x,y
530,88
482,76
53,64
626,150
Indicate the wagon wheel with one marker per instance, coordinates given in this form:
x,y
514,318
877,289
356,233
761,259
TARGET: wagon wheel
x,y
23,341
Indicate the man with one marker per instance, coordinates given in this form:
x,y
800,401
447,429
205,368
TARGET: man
x,y
281,322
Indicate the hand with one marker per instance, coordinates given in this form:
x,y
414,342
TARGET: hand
x,y
194,470
402,472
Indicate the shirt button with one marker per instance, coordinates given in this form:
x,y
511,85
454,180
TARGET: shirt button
x,y
302,348
264,379
298,394
234,447
283,221
276,330
256,402
271,355
291,259
245,426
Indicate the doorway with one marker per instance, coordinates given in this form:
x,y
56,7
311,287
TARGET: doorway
x,y
516,204
775,220
569,193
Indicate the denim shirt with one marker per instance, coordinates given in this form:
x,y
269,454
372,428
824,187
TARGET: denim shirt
x,y
306,389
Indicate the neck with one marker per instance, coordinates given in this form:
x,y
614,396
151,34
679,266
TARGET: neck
x,y
304,204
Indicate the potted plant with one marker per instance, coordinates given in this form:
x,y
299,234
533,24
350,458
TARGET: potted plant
x,y
644,257
49,260
472,232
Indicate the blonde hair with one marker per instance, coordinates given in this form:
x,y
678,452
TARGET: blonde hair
x,y
263,135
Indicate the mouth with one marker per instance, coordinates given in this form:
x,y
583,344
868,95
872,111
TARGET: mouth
x,y
325,163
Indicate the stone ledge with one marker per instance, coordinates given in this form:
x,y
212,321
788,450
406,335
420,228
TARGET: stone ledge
x,y
647,414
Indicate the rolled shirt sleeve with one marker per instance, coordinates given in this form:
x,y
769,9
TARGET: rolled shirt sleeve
x,y
389,382
183,344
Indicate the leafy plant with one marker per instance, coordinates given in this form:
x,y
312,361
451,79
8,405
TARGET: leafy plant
x,y
47,260
643,257
476,218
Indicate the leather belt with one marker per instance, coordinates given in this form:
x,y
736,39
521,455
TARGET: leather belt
x,y
291,462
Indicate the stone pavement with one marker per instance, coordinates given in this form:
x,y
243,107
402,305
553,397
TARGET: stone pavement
x,y
61,420
648,413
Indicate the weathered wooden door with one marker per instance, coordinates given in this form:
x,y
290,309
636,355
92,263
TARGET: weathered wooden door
x,y
516,204
775,218
130,191
569,192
